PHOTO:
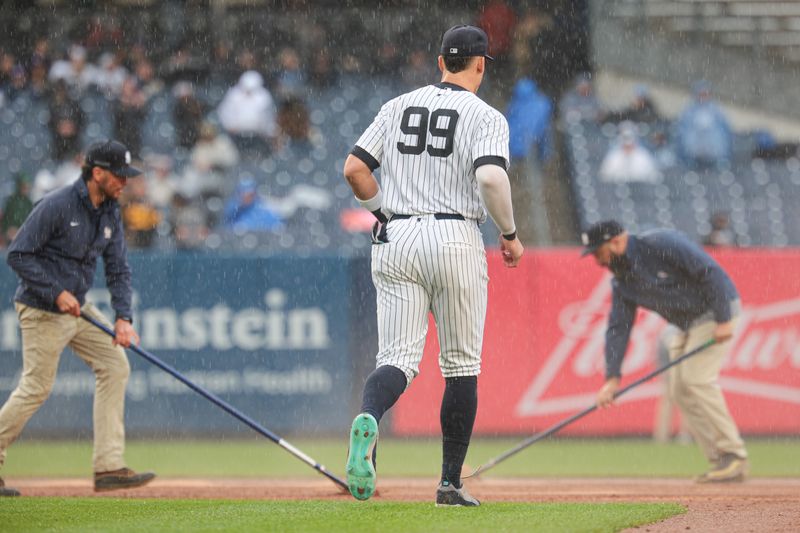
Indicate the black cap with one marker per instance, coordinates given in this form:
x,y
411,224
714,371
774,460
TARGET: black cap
x,y
465,41
113,156
599,233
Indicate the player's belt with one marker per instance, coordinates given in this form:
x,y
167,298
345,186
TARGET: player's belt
x,y
437,216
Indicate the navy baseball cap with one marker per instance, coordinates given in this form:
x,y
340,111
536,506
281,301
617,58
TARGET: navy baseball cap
x,y
113,156
465,41
599,234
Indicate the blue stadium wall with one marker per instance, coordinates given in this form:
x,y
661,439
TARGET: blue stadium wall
x,y
286,340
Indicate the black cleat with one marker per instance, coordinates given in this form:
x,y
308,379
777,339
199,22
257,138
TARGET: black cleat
x,y
448,495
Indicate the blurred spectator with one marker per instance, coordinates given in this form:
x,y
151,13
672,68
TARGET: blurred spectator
x,y
246,60
767,147
641,109
212,156
531,25
189,223
40,54
663,150
187,114
162,181
498,19
137,52
38,85
224,71
103,32
627,160
65,173
290,80
184,65
130,111
139,215
295,126
145,74
322,74
580,103
110,75
75,71
529,113
247,112
66,123
19,83
704,135
389,59
721,233
419,71
15,209
246,211
7,64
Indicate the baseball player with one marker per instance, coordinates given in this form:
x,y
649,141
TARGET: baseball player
x,y
665,272
444,154
54,255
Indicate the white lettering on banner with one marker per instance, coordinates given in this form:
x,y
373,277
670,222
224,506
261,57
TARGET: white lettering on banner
x,y
765,340
219,328
143,385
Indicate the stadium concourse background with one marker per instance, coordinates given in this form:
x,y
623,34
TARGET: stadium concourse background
x,y
281,322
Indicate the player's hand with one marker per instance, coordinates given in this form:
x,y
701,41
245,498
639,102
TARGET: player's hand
x,y
124,334
512,251
67,303
379,233
723,331
605,397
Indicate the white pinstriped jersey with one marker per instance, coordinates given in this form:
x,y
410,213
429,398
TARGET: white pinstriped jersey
x,y
428,143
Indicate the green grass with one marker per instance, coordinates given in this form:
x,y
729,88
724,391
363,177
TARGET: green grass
x,y
120,515
397,457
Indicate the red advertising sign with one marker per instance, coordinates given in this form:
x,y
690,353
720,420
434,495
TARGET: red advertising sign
x,y
543,351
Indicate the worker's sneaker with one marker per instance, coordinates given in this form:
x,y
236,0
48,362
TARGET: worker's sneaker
x,y
7,491
360,468
124,478
448,495
729,469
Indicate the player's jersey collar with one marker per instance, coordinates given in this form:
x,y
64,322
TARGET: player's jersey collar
x,y
448,85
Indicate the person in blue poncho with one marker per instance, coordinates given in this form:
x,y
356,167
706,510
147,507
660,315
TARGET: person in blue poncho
x,y
529,113
704,134
246,210
529,117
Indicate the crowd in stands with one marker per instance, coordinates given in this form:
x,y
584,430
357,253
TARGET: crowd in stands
x,y
190,178
697,152
246,138
223,118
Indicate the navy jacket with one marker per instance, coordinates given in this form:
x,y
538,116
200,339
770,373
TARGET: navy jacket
x,y
57,247
667,273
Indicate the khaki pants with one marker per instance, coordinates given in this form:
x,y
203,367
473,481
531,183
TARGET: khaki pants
x,y
695,388
44,337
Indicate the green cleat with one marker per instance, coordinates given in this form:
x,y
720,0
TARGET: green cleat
x,y
360,470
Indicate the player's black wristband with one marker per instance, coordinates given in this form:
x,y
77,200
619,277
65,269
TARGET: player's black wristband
x,y
510,236
125,318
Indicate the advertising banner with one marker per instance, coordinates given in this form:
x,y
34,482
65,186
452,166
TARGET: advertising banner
x,y
543,351
269,335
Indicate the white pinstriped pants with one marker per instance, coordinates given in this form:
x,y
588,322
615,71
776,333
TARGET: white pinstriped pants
x,y
436,266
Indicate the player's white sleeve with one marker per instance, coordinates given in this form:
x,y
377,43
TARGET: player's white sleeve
x,y
496,193
491,140
369,147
